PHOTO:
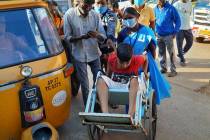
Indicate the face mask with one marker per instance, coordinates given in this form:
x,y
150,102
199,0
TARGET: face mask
x,y
101,9
130,23
138,2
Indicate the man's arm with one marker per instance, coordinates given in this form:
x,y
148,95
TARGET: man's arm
x,y
67,26
75,39
68,31
152,19
177,20
152,25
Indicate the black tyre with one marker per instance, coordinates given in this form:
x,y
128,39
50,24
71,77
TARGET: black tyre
x,y
199,39
151,118
94,132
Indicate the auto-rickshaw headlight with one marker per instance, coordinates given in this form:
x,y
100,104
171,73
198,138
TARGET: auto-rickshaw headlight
x,y
26,71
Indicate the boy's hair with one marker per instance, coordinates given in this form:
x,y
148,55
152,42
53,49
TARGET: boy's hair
x,y
124,52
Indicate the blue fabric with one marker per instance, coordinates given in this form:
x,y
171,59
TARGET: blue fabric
x,y
138,2
145,37
167,20
158,81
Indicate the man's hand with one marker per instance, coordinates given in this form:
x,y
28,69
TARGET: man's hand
x,y
86,36
174,35
110,44
75,39
93,34
97,35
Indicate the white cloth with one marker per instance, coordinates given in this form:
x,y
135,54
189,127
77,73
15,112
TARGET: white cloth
x,y
184,10
115,85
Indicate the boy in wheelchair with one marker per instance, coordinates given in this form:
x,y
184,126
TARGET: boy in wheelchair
x,y
122,72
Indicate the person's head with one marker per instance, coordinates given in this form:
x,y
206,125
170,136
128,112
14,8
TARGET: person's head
x,y
161,3
139,3
76,3
53,7
130,17
124,55
100,6
85,6
115,6
184,1
2,24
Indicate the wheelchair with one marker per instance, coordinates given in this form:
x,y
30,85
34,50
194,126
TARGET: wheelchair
x,y
144,120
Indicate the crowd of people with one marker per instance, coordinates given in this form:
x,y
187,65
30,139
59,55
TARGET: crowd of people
x,y
122,41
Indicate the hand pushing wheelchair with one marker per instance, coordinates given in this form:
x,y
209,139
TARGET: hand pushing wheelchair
x,y
143,121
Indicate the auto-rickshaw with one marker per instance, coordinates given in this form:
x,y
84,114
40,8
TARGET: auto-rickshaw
x,y
35,87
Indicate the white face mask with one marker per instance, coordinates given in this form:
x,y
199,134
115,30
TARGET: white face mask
x,y
130,23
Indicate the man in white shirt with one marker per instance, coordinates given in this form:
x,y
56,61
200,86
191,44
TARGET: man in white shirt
x,y
184,8
83,29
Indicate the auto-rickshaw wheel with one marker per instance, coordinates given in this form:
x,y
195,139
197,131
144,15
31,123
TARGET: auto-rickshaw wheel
x,y
150,121
94,132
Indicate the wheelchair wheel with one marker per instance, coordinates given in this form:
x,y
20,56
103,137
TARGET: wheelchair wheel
x,y
94,132
151,118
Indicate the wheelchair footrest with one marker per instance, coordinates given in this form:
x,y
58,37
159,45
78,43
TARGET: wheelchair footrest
x,y
106,118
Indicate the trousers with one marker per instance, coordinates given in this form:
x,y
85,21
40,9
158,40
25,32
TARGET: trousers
x,y
82,75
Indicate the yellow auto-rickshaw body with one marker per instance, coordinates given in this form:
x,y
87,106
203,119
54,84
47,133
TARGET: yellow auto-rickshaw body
x,y
50,72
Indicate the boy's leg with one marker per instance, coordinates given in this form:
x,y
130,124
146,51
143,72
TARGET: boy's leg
x,y
132,95
102,90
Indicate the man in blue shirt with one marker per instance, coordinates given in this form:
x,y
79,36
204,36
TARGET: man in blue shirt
x,y
167,24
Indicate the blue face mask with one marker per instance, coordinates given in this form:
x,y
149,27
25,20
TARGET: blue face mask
x,y
130,23
101,9
138,2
